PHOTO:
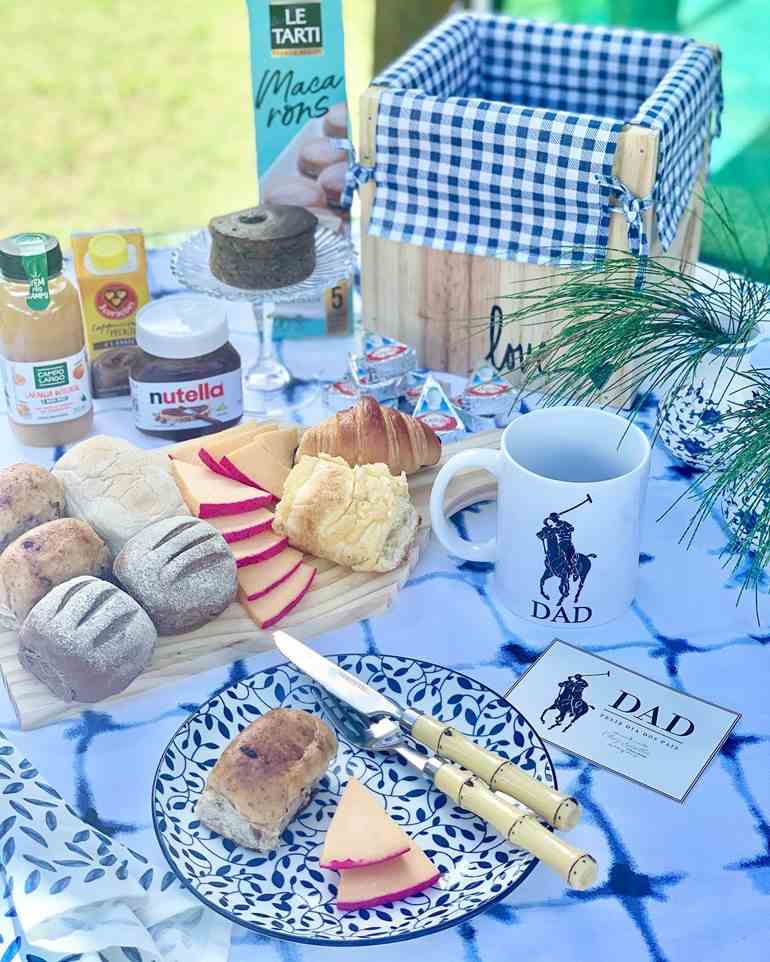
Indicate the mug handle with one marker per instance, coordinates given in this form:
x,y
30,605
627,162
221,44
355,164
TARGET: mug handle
x,y
446,534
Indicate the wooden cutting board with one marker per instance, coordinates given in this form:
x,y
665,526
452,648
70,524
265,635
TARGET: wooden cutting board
x,y
338,598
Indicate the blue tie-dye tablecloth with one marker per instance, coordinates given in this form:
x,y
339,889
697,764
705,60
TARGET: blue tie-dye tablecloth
x,y
680,883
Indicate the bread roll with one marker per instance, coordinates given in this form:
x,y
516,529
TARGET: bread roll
x,y
265,776
360,517
86,640
181,572
29,496
118,488
47,556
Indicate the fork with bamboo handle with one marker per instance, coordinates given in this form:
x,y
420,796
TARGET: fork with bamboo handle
x,y
561,811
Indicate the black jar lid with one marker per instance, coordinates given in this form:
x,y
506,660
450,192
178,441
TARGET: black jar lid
x,y
14,249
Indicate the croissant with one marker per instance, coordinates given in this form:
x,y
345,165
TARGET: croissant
x,y
371,434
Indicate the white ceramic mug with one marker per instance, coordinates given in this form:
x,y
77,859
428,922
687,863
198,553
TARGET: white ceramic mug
x,y
571,485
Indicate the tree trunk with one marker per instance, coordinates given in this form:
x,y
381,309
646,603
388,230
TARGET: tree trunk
x,y
398,23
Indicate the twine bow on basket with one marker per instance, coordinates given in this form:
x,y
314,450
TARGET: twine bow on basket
x,y
356,175
633,208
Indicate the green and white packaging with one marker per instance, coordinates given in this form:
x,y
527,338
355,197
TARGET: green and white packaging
x,y
298,81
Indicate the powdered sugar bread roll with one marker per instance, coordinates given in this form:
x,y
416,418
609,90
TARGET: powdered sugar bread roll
x,y
86,640
181,571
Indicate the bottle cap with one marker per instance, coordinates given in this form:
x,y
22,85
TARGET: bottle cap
x,y
108,251
182,325
17,249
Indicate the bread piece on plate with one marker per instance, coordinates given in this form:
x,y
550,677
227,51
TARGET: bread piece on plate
x,y
359,517
265,776
209,496
29,496
117,488
372,434
181,571
86,640
47,556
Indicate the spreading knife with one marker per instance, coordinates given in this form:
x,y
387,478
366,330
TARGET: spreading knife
x,y
500,774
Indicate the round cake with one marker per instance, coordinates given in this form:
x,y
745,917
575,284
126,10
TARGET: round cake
x,y
263,248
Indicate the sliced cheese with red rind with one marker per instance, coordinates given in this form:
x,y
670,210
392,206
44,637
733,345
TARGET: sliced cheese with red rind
x,y
237,527
281,444
361,832
213,447
270,608
398,878
209,496
188,450
257,580
252,464
258,548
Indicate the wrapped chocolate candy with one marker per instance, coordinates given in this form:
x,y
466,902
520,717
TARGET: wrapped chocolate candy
x,y
385,358
488,394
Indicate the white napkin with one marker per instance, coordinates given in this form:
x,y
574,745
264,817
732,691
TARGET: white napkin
x,y
70,892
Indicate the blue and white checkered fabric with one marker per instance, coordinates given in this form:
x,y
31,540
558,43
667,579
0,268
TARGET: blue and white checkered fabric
x,y
497,136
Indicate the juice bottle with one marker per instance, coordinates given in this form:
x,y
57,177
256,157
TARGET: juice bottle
x,y
42,351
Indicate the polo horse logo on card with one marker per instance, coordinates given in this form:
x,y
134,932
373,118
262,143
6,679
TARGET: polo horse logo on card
x,y
561,559
569,702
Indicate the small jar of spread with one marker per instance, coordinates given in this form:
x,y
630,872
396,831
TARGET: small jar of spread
x,y
186,378
42,349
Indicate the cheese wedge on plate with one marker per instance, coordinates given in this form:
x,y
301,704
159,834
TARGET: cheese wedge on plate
x,y
256,580
364,888
281,444
188,450
237,527
260,547
209,496
252,464
213,448
361,832
276,604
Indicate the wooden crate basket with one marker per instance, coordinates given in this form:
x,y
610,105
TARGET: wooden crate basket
x,y
440,302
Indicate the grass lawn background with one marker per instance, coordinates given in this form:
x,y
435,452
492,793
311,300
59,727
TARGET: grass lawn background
x,y
133,112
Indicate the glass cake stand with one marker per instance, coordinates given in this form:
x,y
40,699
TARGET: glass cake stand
x,y
269,388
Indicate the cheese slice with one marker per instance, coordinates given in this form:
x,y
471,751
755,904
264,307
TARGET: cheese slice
x,y
209,496
214,447
276,604
188,450
364,888
252,464
361,832
281,444
258,547
258,579
237,527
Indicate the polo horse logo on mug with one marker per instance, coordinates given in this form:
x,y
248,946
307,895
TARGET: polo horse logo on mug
x,y
561,559
597,464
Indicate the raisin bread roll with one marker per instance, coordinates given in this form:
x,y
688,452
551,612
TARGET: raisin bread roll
x,y
181,571
265,776
47,556
29,496
86,640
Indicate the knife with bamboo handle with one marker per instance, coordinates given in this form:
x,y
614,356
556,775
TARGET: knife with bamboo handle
x,y
500,774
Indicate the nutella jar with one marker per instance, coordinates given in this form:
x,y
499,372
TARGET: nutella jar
x,y
186,379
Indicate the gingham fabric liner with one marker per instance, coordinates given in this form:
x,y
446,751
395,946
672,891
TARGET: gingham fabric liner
x,y
497,136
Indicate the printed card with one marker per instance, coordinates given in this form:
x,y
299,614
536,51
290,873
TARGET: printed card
x,y
616,718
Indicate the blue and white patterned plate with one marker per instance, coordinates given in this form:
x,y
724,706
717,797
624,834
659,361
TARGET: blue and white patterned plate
x,y
284,893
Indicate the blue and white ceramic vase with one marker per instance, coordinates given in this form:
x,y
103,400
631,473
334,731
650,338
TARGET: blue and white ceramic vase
x,y
743,507
691,419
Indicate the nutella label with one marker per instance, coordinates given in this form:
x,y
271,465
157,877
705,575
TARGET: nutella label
x,y
186,405
47,392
